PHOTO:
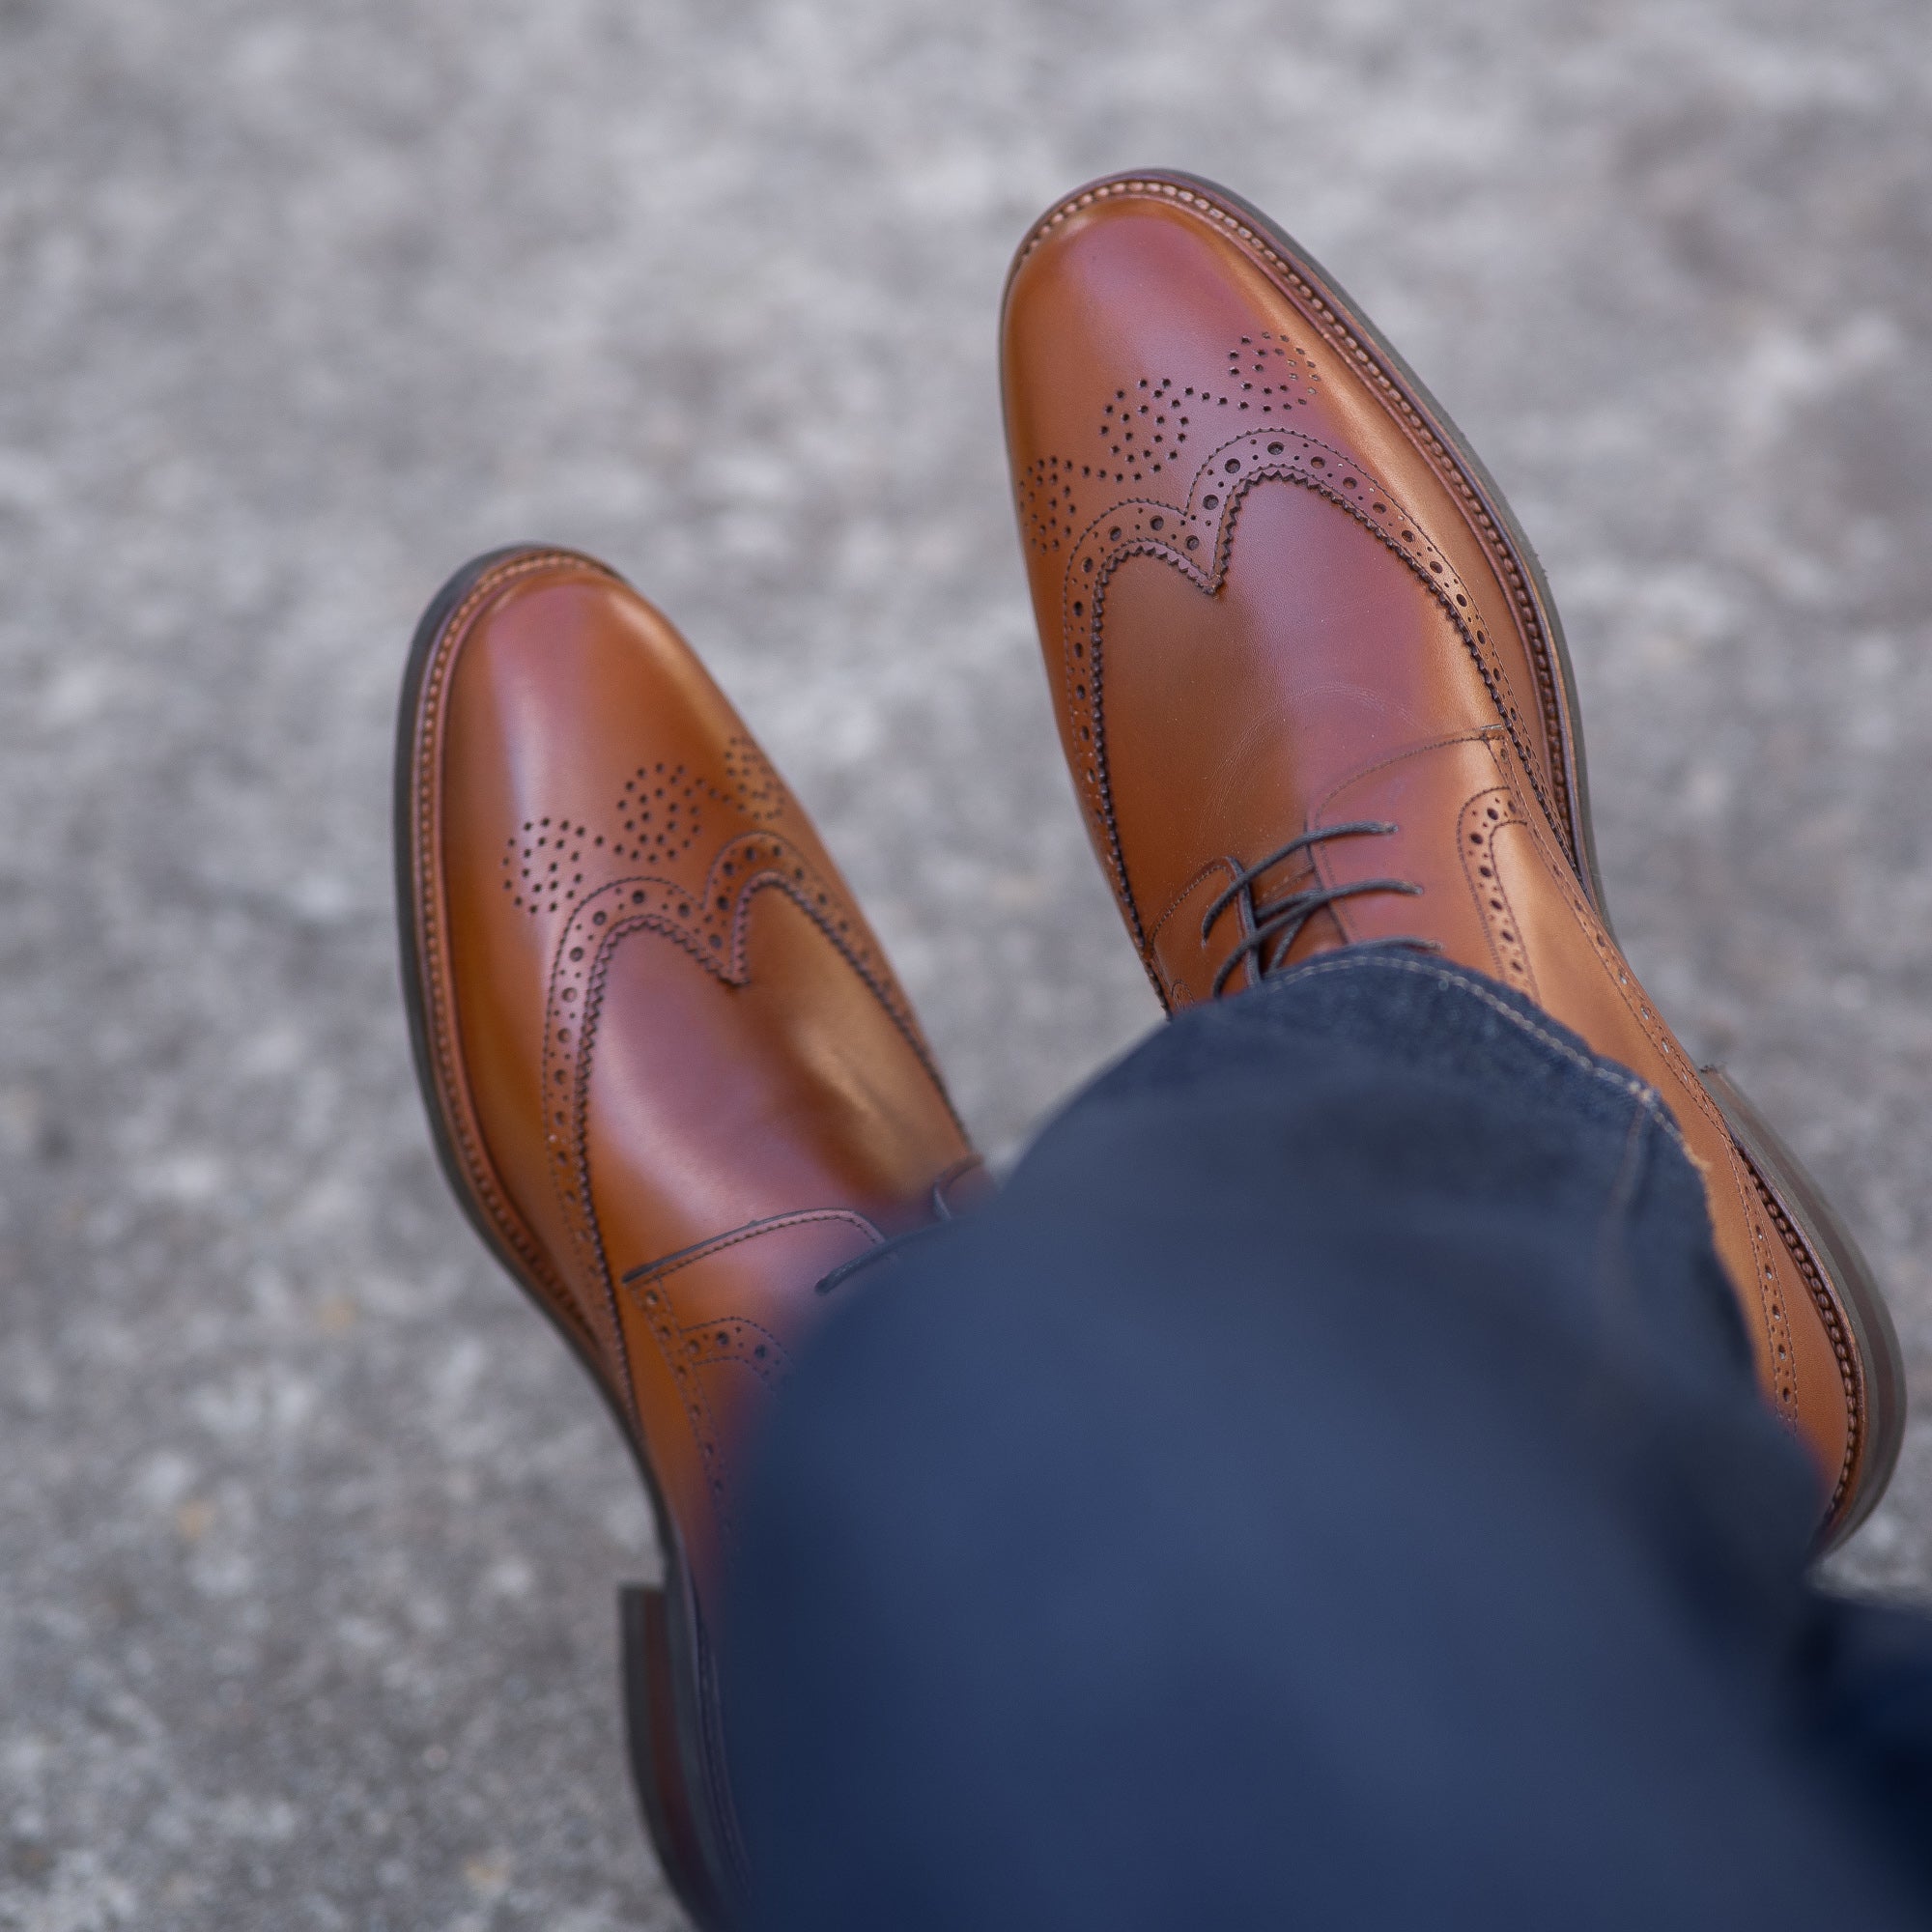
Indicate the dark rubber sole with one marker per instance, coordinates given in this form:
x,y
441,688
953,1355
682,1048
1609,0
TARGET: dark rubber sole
x,y
1874,1341
671,1705
1848,1280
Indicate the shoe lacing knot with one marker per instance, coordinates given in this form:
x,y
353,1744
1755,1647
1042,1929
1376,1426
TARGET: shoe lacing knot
x,y
1272,924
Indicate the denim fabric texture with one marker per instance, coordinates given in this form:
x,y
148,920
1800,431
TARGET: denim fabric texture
x,y
1326,1487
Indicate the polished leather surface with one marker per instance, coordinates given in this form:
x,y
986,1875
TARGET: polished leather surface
x,y
1274,598
675,1076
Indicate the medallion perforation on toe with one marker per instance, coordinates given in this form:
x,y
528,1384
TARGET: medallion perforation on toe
x,y
1368,362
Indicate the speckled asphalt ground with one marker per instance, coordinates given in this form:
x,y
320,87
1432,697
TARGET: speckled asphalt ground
x,y
309,1530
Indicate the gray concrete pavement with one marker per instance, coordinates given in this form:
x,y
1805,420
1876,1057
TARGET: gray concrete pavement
x,y
308,1529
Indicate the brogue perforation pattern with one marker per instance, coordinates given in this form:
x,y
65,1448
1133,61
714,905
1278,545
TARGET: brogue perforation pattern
x,y
760,792
657,818
1142,430
1367,360
711,923
1691,1091
1197,540
735,1339
1482,819
1835,1328
1047,510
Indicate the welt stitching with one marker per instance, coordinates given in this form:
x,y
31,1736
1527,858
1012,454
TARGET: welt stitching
x,y
1331,324
429,925
431,935
1828,1314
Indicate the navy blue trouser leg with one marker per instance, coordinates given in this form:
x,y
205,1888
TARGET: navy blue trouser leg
x,y
1326,1488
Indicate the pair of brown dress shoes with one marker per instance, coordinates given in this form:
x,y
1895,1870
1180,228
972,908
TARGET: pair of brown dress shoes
x,y
1312,692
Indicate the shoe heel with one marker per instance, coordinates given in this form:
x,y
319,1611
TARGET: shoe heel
x,y
657,1762
1849,1281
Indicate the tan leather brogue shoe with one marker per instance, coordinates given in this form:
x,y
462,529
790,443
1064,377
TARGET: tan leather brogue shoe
x,y
669,1071
1313,690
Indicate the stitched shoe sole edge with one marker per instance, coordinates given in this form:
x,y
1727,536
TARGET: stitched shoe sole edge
x,y
1855,1299
681,1791
1848,1281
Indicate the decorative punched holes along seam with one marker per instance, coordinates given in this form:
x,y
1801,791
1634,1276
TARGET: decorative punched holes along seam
x,y
1346,343
1196,539
1142,431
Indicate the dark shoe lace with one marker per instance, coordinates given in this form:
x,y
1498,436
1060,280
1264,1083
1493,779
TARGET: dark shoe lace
x,y
1273,925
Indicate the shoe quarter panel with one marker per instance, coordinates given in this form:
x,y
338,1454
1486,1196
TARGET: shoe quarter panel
x,y
1586,983
1503,899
